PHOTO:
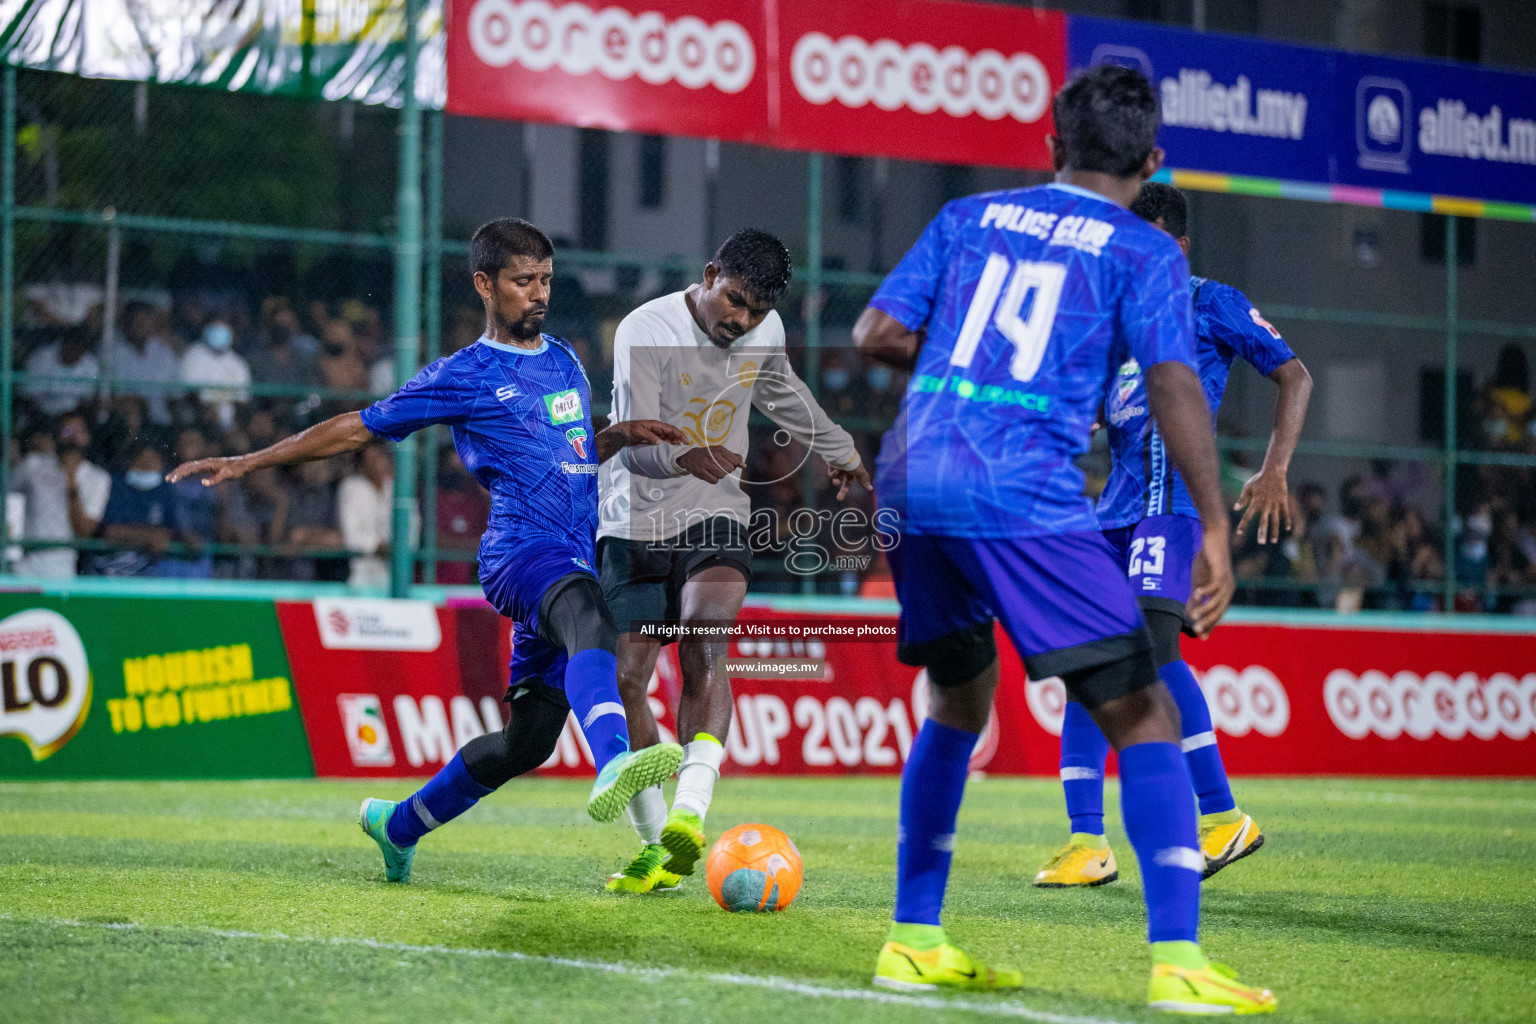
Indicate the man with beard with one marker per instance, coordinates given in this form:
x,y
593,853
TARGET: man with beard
x,y
520,408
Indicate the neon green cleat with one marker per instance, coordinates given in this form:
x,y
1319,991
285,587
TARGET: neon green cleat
x,y
944,966
645,873
374,817
683,836
1211,989
628,774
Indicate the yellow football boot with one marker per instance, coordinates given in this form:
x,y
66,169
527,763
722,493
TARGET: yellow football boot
x,y
1079,863
1211,989
946,965
1224,842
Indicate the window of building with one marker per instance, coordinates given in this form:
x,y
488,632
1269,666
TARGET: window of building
x,y
592,204
653,172
850,189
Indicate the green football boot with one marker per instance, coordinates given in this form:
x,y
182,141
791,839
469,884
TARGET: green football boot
x,y
683,836
374,817
628,774
644,874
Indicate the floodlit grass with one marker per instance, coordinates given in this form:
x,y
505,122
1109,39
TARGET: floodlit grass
x,y
1384,900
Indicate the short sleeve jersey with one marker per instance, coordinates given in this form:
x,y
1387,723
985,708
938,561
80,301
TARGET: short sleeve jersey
x,y
1142,480
1031,299
522,424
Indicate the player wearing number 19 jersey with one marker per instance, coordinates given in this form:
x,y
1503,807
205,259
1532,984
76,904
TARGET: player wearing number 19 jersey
x,y
1151,521
1014,310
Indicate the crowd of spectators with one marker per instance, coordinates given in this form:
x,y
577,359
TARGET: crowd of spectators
x,y
93,438
1376,548
203,375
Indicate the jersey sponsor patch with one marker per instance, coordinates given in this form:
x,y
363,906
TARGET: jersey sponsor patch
x,y
578,438
563,406
1257,318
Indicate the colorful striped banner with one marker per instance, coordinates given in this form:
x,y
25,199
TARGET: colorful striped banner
x,y
1350,195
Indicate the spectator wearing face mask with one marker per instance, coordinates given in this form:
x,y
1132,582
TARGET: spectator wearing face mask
x,y
284,355
213,361
64,497
143,515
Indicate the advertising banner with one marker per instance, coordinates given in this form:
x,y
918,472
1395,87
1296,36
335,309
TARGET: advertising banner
x,y
1423,126
681,67
1237,105
922,80
1230,103
330,49
121,688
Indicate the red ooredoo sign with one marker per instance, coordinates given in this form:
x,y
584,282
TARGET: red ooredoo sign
x,y
912,78
683,67
966,83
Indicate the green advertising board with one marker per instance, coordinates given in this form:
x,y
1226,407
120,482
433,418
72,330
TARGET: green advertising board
x,y
107,687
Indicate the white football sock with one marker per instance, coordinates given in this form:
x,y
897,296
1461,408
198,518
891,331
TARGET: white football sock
x,y
648,812
696,778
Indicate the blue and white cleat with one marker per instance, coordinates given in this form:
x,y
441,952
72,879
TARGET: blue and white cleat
x,y
628,774
374,817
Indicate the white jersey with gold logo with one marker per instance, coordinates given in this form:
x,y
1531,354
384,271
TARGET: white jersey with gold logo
x,y
665,368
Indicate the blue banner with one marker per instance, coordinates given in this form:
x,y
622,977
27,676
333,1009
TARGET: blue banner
x,y
1230,104
1236,105
1425,126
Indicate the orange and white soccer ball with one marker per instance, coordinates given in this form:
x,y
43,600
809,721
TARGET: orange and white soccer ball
x,y
754,868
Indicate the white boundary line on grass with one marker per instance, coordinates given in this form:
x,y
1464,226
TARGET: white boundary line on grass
x,y
650,974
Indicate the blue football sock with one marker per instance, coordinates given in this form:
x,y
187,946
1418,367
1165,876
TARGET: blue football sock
x,y
932,785
1083,751
446,795
1200,750
1160,821
592,688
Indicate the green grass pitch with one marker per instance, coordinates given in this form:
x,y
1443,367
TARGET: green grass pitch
x,y
1385,900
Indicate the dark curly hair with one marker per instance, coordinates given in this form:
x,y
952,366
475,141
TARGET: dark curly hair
x,y
1158,200
1107,118
757,259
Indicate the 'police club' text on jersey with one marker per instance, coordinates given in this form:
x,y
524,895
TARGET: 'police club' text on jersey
x,y
1031,298
1142,480
522,424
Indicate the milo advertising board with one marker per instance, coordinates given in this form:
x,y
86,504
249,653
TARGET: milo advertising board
x,y
104,688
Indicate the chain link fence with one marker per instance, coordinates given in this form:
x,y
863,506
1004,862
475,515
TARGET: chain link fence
x,y
202,272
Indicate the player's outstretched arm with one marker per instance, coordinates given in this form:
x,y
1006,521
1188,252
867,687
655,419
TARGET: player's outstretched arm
x,y
336,436
1267,495
884,339
617,436
1179,407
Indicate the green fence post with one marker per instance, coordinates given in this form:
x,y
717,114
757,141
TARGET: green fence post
x,y
7,284
432,311
407,304
813,306
1449,489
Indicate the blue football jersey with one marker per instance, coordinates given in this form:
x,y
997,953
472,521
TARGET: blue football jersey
x,y
1031,300
1142,480
522,424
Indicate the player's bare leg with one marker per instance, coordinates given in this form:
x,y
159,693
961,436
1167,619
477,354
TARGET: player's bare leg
x,y
711,596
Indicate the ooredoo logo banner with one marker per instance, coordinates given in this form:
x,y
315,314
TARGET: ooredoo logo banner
x,y
933,81
683,67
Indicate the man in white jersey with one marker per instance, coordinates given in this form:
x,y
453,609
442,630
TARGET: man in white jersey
x,y
672,541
